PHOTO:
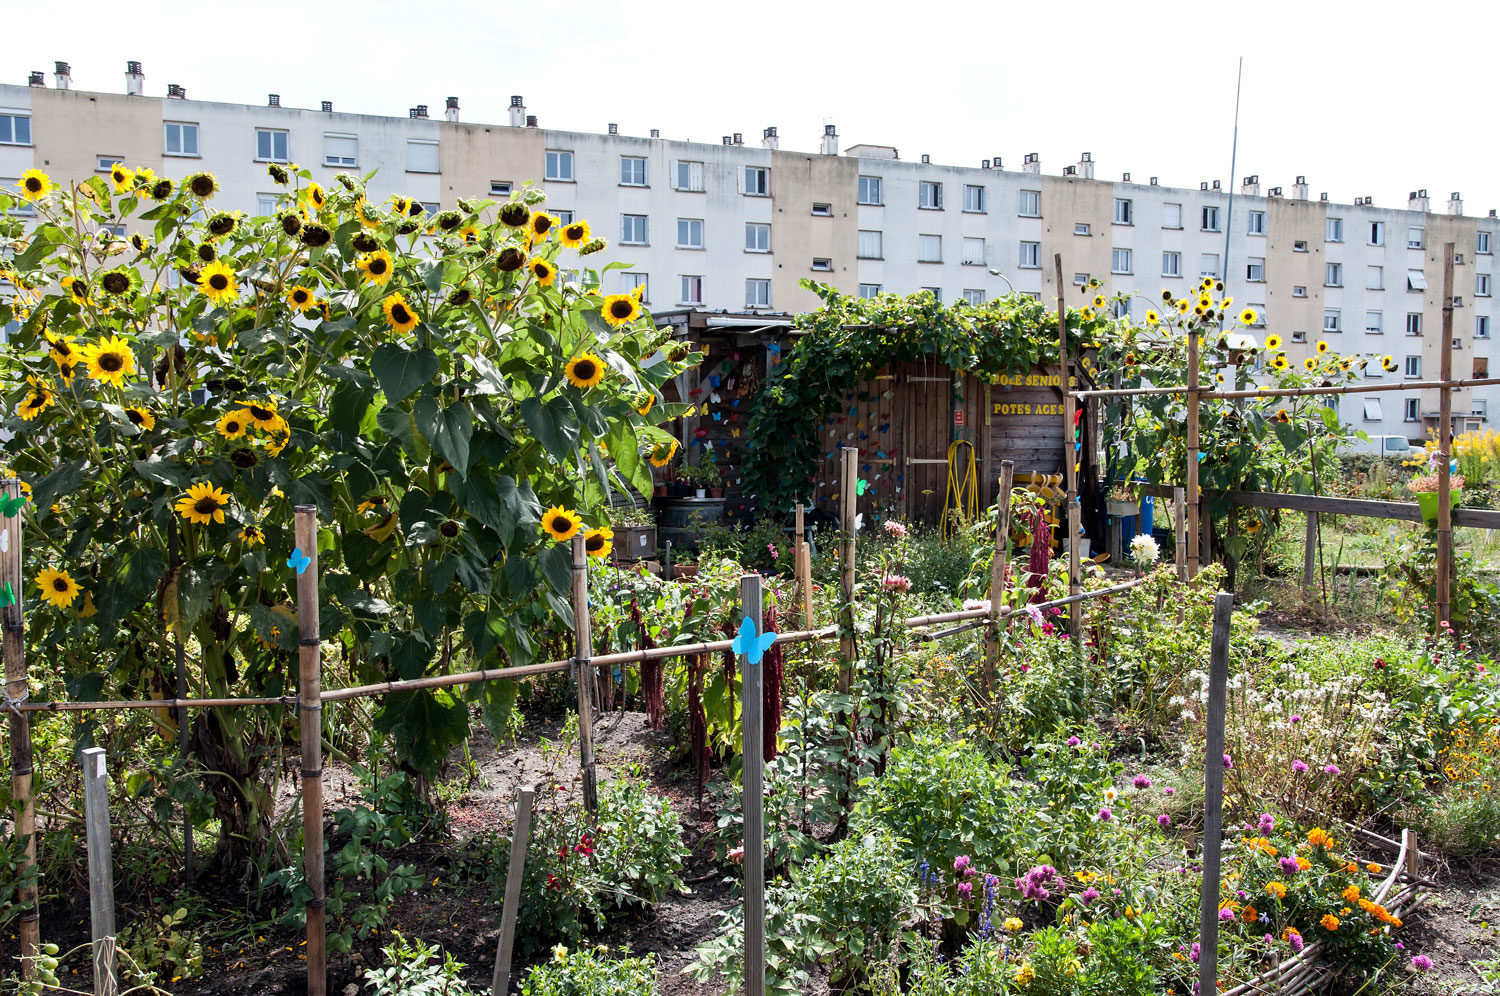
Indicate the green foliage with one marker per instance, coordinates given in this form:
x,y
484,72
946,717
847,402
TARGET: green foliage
x,y
587,973
1461,826
411,969
638,851
160,951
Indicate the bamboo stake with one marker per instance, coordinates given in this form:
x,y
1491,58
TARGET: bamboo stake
x,y
179,652
520,835
1213,781
848,516
17,686
1179,531
753,760
1444,449
582,660
998,565
101,871
804,569
1070,455
1194,511
310,707
1293,392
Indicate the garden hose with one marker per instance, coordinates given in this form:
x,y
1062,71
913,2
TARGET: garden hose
x,y
962,495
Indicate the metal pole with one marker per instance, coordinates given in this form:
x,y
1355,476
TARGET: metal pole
x,y
12,618
101,870
751,707
520,835
310,708
1213,794
1444,450
583,653
1234,151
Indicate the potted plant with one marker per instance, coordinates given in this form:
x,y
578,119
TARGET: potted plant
x,y
1121,501
635,533
701,477
1425,488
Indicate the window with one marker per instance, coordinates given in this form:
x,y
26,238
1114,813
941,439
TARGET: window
x,y
975,200
559,165
1171,216
1481,408
24,207
974,252
182,138
1414,237
1255,269
1372,410
757,181
1331,320
340,150
1080,279
1333,230
1482,285
1299,246
15,129
757,293
421,156
1299,336
1416,280
869,193
687,175
1299,291
1413,323
433,207
822,210
1171,264
871,245
1255,223
1120,308
1208,264
1124,211
1031,256
1481,326
1374,323
690,233
633,230
1377,233
757,237
563,217
1482,243
1120,261
1031,204
1481,366
630,281
974,297
1413,366
1081,228
1333,274
822,265
930,195
1211,219
936,292
692,290
869,290
265,204
1374,278
500,188
1260,315
1411,409
270,145
929,248
632,171
107,163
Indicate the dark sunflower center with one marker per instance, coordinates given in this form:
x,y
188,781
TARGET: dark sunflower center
x,y
316,235
449,529
300,296
460,297
594,543
135,416
399,314
38,399
111,362
119,177
207,253
509,259
540,270
377,266
290,224
261,414
585,370
218,282
244,458
207,505
80,290
541,223
574,231
116,283
621,309
221,226
162,190
33,185
561,524
231,427
202,186
60,584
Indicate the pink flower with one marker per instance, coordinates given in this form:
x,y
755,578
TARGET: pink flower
x,y
1228,763
737,854
1142,782
894,529
1299,767
1169,790
1421,963
1295,940
1164,821
1074,741
1296,718
965,889
1330,769
1105,815
897,582
772,548
961,862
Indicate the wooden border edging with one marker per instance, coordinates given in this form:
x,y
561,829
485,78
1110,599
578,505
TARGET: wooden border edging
x,y
1474,518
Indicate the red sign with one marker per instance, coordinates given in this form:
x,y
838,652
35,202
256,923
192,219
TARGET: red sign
x,y
958,416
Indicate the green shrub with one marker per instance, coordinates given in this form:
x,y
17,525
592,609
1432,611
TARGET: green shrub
x,y
590,973
411,970
1463,827
638,850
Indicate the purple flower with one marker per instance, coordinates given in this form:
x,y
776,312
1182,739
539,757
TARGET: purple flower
x,y
1088,895
1142,782
1074,741
1228,762
1330,769
1033,885
961,862
1169,790
1421,963
1296,718
1295,940
1299,767
1105,815
1400,946
965,889
1267,823
1195,953
1226,915
1164,821
1289,866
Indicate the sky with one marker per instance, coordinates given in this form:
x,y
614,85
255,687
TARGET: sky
x,y
1371,100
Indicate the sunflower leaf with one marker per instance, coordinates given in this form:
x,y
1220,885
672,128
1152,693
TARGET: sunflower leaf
x,y
556,561
550,423
447,429
168,472
61,481
402,371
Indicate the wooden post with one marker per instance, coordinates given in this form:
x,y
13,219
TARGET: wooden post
x,y
1310,551
12,618
179,652
583,653
803,564
1071,456
752,774
1179,531
519,837
101,870
997,572
1444,452
1413,855
1213,794
310,707
1194,502
848,516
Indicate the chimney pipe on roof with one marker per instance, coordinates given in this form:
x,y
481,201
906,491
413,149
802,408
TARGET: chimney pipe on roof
x,y
728,140
926,158
135,80
327,107
830,141
517,112
36,78
1250,186
450,111
421,111
1032,163
1086,166
273,100
531,120
64,75
656,133
739,138
176,91
614,129
1299,189
768,139
995,163
1455,203
1153,181
1417,200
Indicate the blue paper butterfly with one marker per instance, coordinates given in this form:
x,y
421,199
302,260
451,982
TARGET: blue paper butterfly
x,y
298,560
752,647
774,347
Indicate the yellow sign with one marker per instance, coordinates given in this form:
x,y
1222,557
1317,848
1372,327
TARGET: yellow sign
x,y
1026,408
1034,380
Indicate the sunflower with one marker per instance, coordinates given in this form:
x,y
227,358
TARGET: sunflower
x,y
1252,527
262,415
561,523
1088,314
374,503
316,236
252,536
278,173
1098,300
201,185
1387,363
592,246
62,352
140,243
364,241
469,233
1279,362
598,542
398,313
144,177
206,252
544,271
203,503
314,196
78,290
1283,416
644,402
540,224
1247,317
460,296
1309,363
58,587
367,213
223,223
232,426
140,417
662,453
376,267
290,223
217,283
1182,306
514,214
401,205
1166,296
161,189
585,371
325,309
1224,304
110,361
574,234
510,258
244,458
120,281
37,400
1152,318
621,309
300,297
122,177
34,184
1219,377
1273,342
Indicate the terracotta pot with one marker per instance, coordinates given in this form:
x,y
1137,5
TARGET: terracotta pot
x,y
684,571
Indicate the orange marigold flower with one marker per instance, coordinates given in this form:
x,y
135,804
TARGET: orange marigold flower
x,y
1317,837
1329,922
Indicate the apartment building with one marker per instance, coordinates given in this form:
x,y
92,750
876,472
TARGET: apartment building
x,y
737,226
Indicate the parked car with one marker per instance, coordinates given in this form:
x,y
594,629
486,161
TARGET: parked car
x,y
1393,447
